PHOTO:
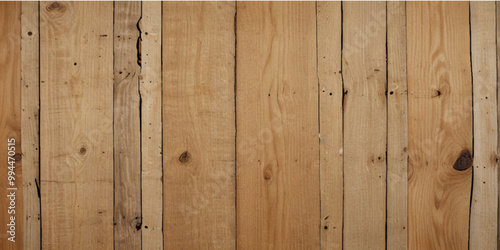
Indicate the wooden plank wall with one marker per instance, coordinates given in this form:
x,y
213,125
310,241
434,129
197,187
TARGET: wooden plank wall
x,y
250,125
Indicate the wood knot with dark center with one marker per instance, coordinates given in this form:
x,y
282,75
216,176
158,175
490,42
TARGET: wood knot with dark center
x,y
185,157
464,161
83,150
268,174
55,6
17,157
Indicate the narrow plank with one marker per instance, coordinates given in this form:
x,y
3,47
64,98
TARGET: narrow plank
x,y
329,32
127,126
365,124
484,205
278,202
498,104
152,185
439,124
397,128
76,140
30,106
11,237
199,125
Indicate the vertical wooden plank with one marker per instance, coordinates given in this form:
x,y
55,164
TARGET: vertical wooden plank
x,y
365,124
76,93
150,88
127,126
11,199
498,109
30,106
278,188
397,128
439,124
329,32
199,125
484,205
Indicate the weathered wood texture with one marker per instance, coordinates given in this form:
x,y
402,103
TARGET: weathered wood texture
x,y
484,204
329,32
76,95
439,124
10,124
278,188
397,128
127,126
30,121
199,125
365,124
151,126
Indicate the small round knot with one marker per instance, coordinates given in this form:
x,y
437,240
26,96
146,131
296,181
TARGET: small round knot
x,y
268,174
185,157
83,151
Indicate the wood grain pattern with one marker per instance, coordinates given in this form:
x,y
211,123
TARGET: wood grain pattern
x,y
329,32
439,124
30,121
127,126
198,125
484,205
10,123
278,189
365,124
397,128
76,94
498,105
150,89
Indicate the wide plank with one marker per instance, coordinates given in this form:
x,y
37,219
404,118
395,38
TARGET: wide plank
x,y
76,120
198,125
439,124
278,202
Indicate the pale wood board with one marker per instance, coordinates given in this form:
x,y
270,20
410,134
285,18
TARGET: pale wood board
x,y
10,122
439,124
150,89
329,32
278,190
30,110
127,126
76,134
484,205
365,124
199,125
397,128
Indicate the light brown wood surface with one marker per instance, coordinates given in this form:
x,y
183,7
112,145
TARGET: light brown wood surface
x,y
397,128
439,124
251,125
30,121
365,124
127,126
76,134
151,126
10,123
198,125
329,47
484,205
278,188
